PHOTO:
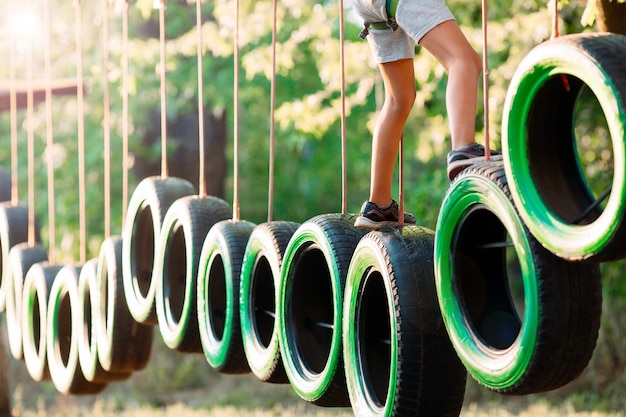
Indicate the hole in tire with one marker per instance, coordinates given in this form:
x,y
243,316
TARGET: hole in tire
x,y
64,327
217,297
87,333
570,149
175,274
487,279
142,242
37,321
374,337
311,309
263,301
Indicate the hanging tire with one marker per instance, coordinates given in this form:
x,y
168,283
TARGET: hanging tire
x,y
124,345
146,210
5,185
64,317
87,336
21,258
311,288
519,327
260,278
13,230
185,227
398,358
547,181
219,277
35,298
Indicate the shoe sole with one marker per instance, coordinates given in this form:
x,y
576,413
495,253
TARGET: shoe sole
x,y
456,167
365,223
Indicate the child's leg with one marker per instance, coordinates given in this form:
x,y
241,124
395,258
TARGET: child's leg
x,y
399,80
449,46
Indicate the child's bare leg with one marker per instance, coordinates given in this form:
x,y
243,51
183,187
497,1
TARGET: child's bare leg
x,y
399,80
449,46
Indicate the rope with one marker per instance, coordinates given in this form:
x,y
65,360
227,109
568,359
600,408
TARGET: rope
x,y
344,158
49,135
81,133
107,122
555,20
236,118
201,180
270,197
486,79
31,144
124,110
164,171
401,182
13,115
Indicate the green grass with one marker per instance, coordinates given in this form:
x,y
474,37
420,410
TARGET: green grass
x,y
174,384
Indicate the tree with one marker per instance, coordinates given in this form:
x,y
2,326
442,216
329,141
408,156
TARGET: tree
x,y
610,15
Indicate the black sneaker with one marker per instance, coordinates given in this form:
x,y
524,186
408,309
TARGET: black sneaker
x,y
461,158
373,217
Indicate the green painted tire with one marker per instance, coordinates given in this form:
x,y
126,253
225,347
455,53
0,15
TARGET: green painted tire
x,y
124,345
398,358
310,304
185,227
87,335
547,183
21,258
219,280
146,210
35,298
13,230
511,343
260,278
64,317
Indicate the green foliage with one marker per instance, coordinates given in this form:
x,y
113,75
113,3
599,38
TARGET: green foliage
x,y
591,9
308,111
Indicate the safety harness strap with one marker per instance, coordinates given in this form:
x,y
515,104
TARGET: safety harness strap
x,y
390,9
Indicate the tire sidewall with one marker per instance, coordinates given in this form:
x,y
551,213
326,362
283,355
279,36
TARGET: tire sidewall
x,y
366,256
498,369
308,385
573,242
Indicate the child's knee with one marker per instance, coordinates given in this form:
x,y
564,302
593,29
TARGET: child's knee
x,y
473,64
403,103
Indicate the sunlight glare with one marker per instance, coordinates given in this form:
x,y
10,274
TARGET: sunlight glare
x,y
24,23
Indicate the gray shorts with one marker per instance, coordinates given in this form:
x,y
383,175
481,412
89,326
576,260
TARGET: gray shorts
x,y
415,19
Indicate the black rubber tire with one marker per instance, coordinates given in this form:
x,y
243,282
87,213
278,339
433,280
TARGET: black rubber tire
x,y
513,345
64,318
398,358
5,399
21,258
260,278
311,288
146,210
219,277
185,227
87,336
546,177
124,345
13,230
5,185
35,298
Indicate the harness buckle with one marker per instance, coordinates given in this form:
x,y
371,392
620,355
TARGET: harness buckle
x,y
365,31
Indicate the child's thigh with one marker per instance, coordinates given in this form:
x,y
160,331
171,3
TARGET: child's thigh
x,y
418,17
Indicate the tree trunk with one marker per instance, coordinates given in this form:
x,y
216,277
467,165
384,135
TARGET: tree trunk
x,y
611,16
183,150
5,400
